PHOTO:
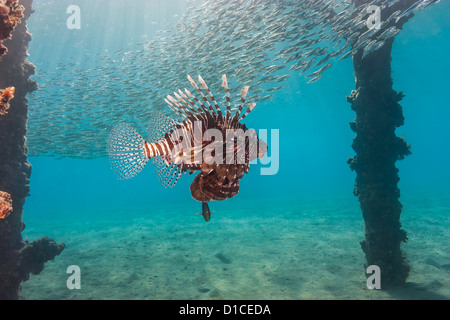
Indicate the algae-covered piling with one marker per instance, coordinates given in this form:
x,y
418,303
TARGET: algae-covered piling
x,y
17,258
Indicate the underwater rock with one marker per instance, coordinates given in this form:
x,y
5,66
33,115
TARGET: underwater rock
x,y
18,258
5,204
34,255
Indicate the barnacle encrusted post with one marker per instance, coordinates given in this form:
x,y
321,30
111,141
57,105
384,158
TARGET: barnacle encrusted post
x,y
378,114
17,258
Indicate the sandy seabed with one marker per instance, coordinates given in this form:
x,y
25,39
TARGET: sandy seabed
x,y
307,251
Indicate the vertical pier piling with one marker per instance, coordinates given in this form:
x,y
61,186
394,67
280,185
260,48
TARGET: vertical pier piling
x,y
18,258
378,114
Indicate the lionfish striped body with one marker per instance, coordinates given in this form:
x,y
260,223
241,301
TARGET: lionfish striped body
x,y
186,144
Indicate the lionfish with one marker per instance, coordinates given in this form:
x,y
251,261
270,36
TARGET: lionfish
x,y
193,141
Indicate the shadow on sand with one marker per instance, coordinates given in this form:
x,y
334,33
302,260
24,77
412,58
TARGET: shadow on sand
x,y
414,291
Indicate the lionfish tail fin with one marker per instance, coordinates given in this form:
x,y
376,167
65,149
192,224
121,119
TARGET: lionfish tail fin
x,y
126,150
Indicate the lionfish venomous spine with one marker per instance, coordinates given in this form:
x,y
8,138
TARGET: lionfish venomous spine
x,y
185,144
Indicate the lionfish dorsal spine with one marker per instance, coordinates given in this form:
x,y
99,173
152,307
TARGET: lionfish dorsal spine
x,y
202,106
189,104
196,110
227,95
180,106
244,93
174,108
211,96
194,84
249,109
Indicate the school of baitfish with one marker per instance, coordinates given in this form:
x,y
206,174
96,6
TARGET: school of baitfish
x,y
257,43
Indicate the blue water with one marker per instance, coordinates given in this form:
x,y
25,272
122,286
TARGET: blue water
x,y
71,197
